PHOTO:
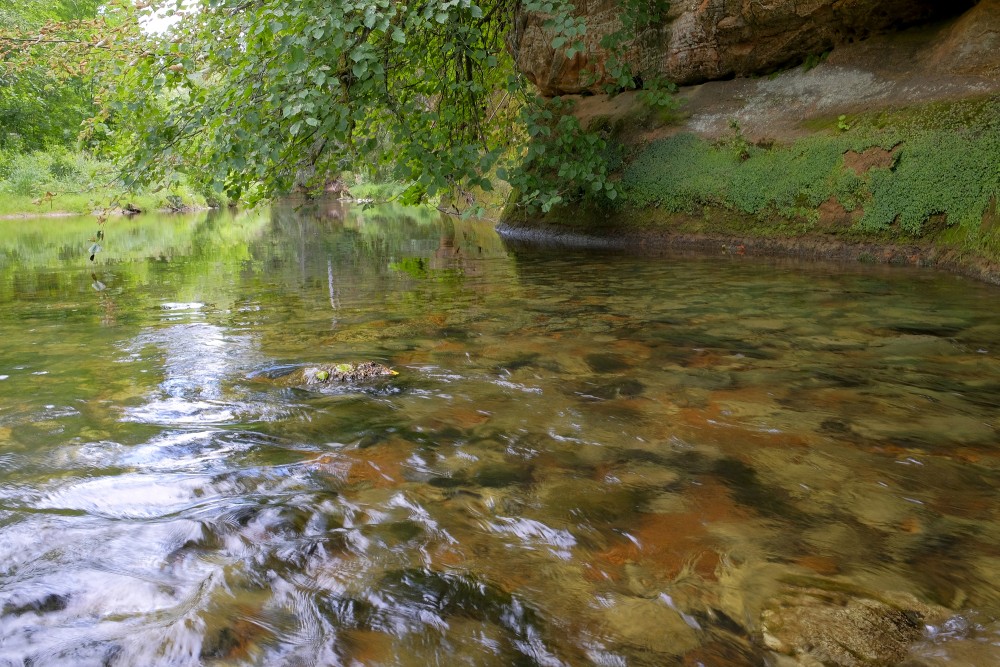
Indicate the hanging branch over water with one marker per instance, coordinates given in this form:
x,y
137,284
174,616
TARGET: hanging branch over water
x,y
245,96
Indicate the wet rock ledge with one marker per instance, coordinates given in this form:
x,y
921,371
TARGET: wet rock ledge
x,y
733,246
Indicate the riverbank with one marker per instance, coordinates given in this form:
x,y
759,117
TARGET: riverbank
x,y
733,245
60,182
877,153
26,214
105,202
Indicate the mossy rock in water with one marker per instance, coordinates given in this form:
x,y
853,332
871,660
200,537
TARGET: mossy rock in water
x,y
324,374
829,622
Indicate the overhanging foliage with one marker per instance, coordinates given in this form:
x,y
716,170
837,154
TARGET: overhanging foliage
x,y
258,97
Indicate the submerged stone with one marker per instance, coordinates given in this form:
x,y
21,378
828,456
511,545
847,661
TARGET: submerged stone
x,y
623,388
833,624
649,625
237,640
496,475
395,533
607,363
590,500
49,603
414,593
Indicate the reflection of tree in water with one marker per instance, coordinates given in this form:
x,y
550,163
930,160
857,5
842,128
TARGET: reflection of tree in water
x,y
457,245
47,257
314,231
109,311
363,250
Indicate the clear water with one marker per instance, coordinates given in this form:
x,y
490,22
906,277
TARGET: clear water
x,y
585,459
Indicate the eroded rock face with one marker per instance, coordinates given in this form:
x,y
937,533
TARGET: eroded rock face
x,y
972,45
702,40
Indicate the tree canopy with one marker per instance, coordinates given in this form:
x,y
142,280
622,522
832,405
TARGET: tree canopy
x,y
38,106
254,97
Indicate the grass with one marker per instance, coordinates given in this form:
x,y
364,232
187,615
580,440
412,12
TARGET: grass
x,y
89,202
377,192
63,181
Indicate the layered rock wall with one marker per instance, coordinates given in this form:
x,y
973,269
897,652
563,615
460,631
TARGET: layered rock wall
x,y
702,40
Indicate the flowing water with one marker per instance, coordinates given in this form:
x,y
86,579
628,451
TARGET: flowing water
x,y
585,458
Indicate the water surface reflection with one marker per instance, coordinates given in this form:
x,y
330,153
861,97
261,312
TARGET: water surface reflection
x,y
586,459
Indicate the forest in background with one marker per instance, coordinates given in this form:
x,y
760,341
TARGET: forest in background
x,y
46,98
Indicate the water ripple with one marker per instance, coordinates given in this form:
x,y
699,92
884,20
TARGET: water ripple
x,y
133,495
534,534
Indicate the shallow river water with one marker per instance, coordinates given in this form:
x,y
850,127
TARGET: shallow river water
x,y
585,458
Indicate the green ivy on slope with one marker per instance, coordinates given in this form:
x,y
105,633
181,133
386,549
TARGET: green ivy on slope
x,y
946,161
938,172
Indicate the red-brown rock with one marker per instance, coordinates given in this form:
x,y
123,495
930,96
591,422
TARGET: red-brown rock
x,y
702,40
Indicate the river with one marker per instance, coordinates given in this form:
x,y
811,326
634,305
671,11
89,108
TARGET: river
x,y
586,458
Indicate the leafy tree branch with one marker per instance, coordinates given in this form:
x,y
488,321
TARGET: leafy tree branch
x,y
247,96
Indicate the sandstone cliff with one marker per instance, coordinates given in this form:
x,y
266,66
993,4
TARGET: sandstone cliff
x,y
703,40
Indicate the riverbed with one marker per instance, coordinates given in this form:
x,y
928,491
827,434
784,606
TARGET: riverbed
x,y
587,457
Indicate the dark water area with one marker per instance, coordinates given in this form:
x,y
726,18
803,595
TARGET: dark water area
x,y
586,458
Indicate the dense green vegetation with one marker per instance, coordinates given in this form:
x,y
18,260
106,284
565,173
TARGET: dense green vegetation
x,y
252,100
67,180
943,163
247,101
39,106
46,98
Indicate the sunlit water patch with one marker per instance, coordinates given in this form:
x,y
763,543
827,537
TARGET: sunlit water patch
x,y
585,458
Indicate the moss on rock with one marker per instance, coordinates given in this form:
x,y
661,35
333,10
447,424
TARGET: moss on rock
x,y
946,163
